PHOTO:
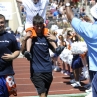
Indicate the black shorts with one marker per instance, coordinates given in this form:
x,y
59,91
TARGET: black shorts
x,y
42,81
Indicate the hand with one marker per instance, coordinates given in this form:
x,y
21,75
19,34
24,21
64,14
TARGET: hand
x,y
51,37
8,57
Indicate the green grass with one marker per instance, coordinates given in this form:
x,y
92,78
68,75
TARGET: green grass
x,y
76,96
64,95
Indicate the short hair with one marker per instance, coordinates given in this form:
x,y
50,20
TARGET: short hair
x,y
2,16
38,20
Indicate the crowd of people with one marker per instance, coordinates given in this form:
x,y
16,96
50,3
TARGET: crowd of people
x,y
48,40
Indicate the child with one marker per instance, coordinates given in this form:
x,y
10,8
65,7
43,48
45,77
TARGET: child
x,y
30,34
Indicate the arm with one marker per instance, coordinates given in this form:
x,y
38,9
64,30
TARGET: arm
x,y
69,12
15,54
20,1
12,56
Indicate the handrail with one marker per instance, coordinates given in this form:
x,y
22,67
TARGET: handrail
x,y
18,13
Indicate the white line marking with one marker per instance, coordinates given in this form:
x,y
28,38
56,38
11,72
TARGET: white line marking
x,y
29,73
49,91
32,83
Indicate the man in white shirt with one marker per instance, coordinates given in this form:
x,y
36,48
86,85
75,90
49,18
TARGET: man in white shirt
x,y
32,7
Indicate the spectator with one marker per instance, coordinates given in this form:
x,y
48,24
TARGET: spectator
x,y
56,14
53,6
76,11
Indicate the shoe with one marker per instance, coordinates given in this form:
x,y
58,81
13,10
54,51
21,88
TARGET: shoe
x,y
71,75
76,84
87,86
89,95
63,71
28,55
57,69
88,90
59,50
72,81
67,73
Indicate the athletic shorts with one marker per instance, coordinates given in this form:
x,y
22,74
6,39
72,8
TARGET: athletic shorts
x,y
76,62
3,87
42,82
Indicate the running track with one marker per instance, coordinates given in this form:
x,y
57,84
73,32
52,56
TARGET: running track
x,y
25,87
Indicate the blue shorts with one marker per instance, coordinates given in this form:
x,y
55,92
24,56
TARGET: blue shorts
x,y
94,85
3,87
76,62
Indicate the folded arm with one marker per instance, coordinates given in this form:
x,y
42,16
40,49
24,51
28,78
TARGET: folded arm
x,y
12,56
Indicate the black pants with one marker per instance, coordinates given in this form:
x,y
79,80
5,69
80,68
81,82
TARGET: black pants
x,y
42,81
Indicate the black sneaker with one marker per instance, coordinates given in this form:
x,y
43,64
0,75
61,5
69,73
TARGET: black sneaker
x,y
59,50
28,55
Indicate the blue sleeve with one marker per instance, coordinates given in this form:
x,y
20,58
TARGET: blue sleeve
x,y
85,29
15,44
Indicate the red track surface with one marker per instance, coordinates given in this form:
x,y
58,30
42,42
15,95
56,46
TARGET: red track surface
x,y
25,87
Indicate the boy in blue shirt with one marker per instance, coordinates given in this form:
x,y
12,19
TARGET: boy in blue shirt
x,y
40,64
9,50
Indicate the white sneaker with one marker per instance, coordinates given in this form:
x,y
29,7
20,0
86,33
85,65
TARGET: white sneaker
x,y
76,84
89,90
67,73
57,69
89,95
62,71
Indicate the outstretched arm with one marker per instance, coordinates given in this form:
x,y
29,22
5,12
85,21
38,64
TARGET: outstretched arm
x,y
69,12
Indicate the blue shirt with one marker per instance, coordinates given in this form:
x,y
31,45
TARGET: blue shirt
x,y
89,33
55,13
41,61
8,45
